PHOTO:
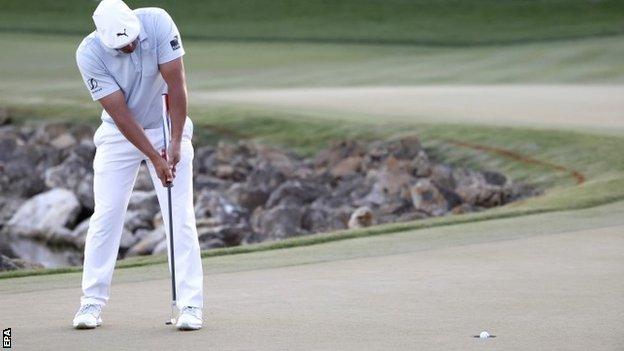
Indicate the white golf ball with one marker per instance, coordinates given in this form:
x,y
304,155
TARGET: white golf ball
x,y
484,335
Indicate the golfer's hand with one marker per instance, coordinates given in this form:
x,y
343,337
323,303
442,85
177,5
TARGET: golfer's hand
x,y
163,170
174,155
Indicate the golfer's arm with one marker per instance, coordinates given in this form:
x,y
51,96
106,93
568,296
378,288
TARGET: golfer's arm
x,y
173,74
115,105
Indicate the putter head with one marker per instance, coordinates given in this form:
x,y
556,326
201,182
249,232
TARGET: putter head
x,y
172,321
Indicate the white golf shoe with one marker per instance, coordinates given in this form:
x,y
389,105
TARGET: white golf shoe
x,y
190,318
88,317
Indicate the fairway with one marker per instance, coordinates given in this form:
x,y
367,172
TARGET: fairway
x,y
47,83
554,106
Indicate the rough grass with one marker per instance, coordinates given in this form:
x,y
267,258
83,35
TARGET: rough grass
x,y
442,22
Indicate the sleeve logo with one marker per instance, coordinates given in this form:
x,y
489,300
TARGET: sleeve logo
x,y
175,43
93,85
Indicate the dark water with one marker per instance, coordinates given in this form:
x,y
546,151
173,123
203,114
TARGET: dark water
x,y
37,251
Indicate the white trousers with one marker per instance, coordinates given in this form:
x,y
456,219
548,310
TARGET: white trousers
x,y
116,166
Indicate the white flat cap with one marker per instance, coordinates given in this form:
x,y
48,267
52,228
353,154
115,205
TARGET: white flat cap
x,y
116,24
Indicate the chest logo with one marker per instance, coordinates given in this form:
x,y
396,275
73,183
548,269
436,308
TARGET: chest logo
x,y
124,34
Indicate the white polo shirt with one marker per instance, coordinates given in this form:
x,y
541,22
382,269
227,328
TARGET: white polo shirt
x,y
106,70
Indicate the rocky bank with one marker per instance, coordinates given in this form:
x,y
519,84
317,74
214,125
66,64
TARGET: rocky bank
x,y
245,192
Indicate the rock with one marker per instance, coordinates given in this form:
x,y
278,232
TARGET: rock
x,y
442,176
205,159
6,264
265,178
494,178
63,141
51,210
75,173
142,233
280,160
337,152
390,183
8,206
226,152
211,204
213,243
279,222
143,181
204,181
9,264
421,167
346,167
395,208
225,172
427,198
5,116
320,220
144,201
475,190
229,235
407,148
247,196
128,239
83,133
138,219
352,188
142,208
22,163
79,234
161,248
452,198
484,195
59,235
404,148
296,193
147,243
362,217
463,209
47,132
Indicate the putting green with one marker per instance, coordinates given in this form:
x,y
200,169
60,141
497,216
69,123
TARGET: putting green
x,y
529,279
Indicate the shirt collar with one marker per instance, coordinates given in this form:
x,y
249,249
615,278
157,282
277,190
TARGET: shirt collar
x,y
142,34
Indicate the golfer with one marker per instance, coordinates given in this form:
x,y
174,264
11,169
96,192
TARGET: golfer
x,y
127,63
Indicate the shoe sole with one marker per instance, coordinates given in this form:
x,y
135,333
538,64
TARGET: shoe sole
x,y
187,327
82,326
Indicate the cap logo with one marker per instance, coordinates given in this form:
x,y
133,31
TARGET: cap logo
x,y
122,34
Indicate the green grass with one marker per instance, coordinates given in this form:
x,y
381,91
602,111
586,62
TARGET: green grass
x,y
40,78
441,22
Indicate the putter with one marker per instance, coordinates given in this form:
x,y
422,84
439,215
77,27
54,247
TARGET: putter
x,y
166,133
